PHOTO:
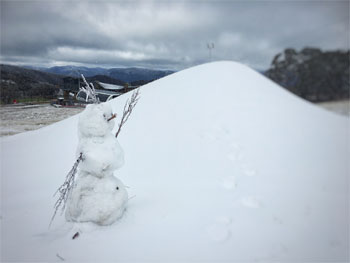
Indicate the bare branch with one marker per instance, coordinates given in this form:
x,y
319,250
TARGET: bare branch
x,y
128,107
89,90
61,258
75,235
65,189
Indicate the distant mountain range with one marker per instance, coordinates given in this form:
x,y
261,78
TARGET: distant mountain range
x,y
123,74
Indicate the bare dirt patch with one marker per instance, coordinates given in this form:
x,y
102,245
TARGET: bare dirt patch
x,y
20,118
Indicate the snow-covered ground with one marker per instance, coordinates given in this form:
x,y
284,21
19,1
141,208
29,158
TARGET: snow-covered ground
x,y
18,119
340,107
239,172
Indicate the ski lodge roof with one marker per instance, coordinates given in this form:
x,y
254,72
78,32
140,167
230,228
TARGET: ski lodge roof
x,y
110,86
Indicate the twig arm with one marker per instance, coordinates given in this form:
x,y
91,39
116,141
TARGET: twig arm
x,y
128,107
65,189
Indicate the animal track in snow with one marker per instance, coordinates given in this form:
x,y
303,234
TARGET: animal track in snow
x,y
251,202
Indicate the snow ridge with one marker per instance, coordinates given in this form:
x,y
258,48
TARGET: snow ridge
x,y
225,165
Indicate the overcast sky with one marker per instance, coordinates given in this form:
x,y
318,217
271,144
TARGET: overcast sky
x,y
166,34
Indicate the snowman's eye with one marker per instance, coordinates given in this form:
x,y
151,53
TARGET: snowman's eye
x,y
117,188
104,116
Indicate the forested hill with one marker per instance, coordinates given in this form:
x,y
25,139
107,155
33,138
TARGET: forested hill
x,y
18,82
313,74
23,75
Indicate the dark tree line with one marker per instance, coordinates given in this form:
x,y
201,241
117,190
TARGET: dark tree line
x,y
13,91
312,74
20,83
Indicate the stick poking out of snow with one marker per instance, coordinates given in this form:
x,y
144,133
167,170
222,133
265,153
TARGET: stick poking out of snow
x,y
128,107
66,188
89,90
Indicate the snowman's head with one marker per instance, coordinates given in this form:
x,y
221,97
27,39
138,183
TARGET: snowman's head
x,y
96,120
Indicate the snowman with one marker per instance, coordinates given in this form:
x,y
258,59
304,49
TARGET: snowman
x,y
97,196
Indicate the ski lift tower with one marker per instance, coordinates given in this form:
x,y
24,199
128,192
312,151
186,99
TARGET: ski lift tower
x,y
210,46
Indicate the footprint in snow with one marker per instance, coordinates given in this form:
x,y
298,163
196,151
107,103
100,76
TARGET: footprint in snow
x,y
208,136
221,131
248,171
229,182
224,220
219,231
235,153
235,156
236,146
250,202
278,220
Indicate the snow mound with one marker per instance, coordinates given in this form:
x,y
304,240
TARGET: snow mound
x,y
215,141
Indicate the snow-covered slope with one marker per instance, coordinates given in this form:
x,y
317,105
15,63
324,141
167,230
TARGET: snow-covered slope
x,y
224,164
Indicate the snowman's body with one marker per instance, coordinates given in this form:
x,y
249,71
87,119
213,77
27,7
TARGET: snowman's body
x,y
98,196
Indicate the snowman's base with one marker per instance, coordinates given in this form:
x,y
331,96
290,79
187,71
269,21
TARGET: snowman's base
x,y
98,200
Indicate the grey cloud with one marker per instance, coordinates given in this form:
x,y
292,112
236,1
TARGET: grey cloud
x,y
164,34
